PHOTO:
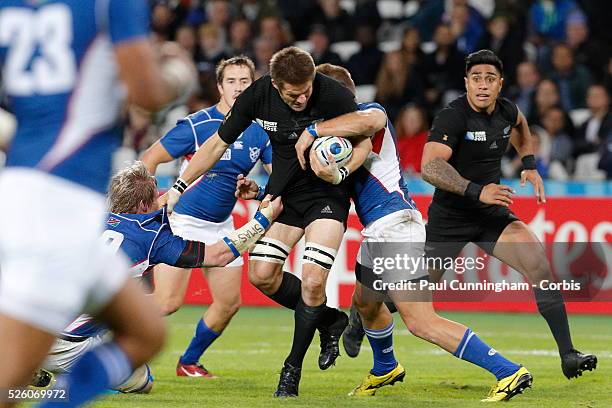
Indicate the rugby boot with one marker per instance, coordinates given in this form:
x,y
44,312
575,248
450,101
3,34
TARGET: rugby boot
x,y
371,383
510,386
574,363
289,382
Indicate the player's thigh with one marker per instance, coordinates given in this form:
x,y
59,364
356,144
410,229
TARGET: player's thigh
x,y
64,353
23,349
170,283
224,284
267,257
518,247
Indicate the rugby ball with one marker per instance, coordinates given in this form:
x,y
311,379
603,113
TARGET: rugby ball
x,y
332,146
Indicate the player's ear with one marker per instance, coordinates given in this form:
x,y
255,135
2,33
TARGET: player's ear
x,y
465,81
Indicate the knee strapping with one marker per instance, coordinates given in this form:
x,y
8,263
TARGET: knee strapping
x,y
319,255
270,250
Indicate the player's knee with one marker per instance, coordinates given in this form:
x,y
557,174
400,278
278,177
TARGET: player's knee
x,y
229,307
169,304
313,281
367,310
264,275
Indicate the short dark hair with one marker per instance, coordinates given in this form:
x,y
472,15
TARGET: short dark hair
x,y
293,66
338,73
240,60
486,57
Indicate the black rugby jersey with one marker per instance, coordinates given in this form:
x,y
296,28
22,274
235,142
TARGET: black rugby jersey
x,y
262,103
478,140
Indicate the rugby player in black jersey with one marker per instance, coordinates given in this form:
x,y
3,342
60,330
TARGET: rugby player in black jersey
x,y
284,103
462,159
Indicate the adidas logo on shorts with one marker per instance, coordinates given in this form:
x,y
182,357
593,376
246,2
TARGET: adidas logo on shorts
x,y
326,210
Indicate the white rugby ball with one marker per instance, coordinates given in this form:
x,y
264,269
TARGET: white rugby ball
x,y
332,146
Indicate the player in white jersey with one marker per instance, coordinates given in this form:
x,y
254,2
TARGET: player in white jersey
x,y
65,66
394,226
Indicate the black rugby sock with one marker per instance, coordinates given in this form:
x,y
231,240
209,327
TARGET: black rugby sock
x,y
552,308
306,320
289,292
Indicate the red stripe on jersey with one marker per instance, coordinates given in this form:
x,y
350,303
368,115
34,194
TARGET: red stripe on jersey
x,y
377,140
189,156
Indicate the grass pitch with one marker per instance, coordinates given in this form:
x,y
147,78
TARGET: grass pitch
x,y
249,356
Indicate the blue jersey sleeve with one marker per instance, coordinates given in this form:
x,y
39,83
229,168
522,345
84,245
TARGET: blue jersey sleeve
x,y
180,140
128,20
167,247
372,105
266,155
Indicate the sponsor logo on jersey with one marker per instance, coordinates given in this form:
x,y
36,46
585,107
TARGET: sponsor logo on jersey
x,y
254,153
113,222
292,136
327,210
492,352
493,145
267,125
238,145
227,155
476,136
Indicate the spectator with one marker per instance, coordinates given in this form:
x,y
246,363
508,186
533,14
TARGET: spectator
x,y
588,52
548,19
264,49
364,64
412,129
523,93
547,97
397,84
337,21
320,47
467,27
211,49
219,14
186,38
553,121
241,38
506,44
162,19
277,30
411,47
598,126
444,67
572,79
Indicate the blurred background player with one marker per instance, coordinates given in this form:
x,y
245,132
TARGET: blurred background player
x,y
285,102
61,64
462,159
204,211
142,231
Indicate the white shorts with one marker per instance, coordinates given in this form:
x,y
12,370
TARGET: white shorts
x,y
64,354
401,232
195,229
53,266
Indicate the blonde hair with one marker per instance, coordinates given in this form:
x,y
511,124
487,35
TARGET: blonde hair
x,y
130,187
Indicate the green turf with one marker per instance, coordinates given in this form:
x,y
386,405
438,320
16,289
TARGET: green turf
x,y
249,355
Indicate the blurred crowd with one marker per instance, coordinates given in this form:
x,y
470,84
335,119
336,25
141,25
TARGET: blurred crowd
x,y
409,56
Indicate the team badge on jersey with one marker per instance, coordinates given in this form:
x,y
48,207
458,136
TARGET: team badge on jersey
x,y
113,222
227,155
254,153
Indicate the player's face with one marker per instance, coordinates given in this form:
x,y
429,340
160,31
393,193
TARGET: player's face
x,y
236,78
483,84
296,96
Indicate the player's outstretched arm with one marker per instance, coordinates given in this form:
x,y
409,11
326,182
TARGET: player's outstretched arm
x,y
331,173
154,156
437,171
523,142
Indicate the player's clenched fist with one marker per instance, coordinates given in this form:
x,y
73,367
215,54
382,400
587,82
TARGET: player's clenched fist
x,y
169,199
496,194
271,208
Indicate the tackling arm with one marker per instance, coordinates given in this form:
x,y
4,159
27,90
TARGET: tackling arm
x,y
353,124
154,156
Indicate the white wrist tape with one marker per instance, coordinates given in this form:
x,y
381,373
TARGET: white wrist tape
x,y
245,237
